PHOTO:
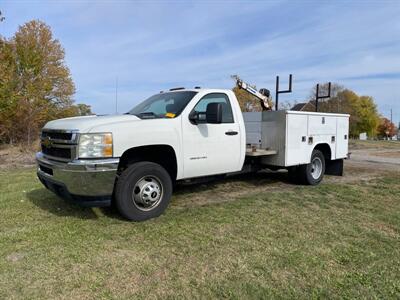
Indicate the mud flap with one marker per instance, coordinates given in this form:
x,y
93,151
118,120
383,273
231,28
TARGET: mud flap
x,y
334,167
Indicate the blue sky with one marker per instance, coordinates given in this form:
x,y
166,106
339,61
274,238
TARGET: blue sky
x,y
155,45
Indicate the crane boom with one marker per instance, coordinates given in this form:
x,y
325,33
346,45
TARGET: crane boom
x,y
263,95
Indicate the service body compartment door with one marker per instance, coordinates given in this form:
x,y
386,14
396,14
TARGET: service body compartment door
x,y
321,125
297,148
342,124
322,129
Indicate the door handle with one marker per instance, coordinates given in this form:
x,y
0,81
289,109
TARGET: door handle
x,y
231,133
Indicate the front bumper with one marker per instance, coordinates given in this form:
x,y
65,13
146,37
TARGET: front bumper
x,y
87,182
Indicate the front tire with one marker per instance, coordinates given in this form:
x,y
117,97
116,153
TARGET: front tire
x,y
143,191
312,173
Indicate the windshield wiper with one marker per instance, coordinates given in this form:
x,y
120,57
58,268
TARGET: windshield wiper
x,y
147,115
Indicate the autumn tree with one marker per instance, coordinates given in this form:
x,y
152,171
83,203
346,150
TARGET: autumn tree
x,y
35,83
45,84
386,128
247,102
8,90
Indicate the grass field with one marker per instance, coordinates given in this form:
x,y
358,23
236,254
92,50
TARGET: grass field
x,y
357,144
252,237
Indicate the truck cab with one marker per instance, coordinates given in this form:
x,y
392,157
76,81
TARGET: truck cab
x,y
133,160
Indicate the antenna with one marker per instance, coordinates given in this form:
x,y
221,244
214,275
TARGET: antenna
x,y
318,97
116,95
277,91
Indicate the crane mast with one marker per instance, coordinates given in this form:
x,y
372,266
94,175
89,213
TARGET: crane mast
x,y
263,95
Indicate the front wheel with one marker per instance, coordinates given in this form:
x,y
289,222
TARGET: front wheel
x,y
313,172
143,191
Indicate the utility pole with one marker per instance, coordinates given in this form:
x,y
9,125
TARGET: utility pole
x,y
116,95
391,115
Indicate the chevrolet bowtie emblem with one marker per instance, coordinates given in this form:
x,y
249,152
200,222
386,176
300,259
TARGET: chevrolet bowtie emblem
x,y
47,142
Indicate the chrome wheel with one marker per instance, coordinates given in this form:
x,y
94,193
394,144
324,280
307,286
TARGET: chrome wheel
x,y
147,193
316,168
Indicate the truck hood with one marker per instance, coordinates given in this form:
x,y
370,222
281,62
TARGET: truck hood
x,y
87,123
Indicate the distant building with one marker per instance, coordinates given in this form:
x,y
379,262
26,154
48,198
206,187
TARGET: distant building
x,y
306,106
363,136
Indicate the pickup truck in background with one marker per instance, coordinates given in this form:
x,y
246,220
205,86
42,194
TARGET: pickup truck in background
x,y
134,160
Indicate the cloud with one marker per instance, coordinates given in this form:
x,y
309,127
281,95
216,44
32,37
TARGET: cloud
x,y
153,46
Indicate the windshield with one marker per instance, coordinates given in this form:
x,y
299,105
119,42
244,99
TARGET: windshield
x,y
163,105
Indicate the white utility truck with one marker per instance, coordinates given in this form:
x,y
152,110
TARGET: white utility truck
x,y
133,160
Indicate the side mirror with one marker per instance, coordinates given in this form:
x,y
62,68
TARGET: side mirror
x,y
193,117
214,113
197,117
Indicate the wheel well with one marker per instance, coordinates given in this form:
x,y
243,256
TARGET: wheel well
x,y
325,149
163,155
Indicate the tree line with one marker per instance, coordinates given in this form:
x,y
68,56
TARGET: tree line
x,y
35,83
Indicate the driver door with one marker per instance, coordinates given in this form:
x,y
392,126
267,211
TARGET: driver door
x,y
211,148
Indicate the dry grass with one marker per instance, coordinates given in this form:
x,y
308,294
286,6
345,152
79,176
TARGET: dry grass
x,y
244,237
12,156
255,237
394,154
357,144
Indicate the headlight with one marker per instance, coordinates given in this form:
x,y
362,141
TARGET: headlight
x,y
93,145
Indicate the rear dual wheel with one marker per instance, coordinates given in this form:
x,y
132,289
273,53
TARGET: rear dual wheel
x,y
312,173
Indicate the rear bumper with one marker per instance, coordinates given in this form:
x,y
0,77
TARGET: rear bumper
x,y
86,182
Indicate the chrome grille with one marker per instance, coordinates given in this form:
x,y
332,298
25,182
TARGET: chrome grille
x,y
59,144
57,152
66,136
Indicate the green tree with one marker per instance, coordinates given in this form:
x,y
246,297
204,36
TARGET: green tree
x,y
73,111
367,114
83,110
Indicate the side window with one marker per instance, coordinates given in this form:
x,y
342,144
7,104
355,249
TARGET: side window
x,y
201,106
